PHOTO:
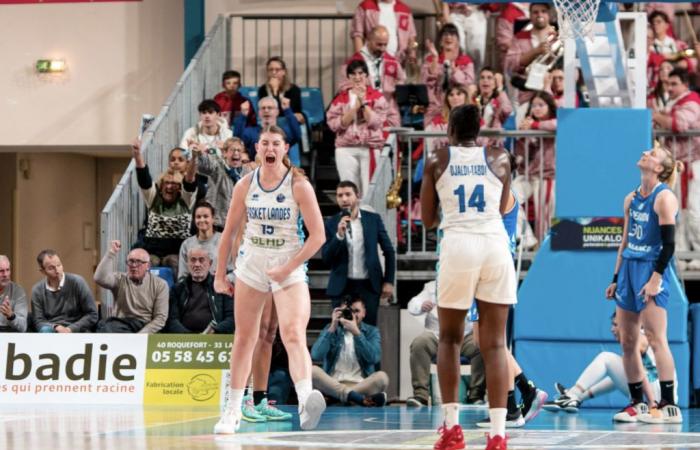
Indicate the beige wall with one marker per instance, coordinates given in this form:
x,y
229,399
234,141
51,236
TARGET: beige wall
x,y
58,207
123,60
7,189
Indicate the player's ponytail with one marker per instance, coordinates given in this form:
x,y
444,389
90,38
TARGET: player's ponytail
x,y
671,167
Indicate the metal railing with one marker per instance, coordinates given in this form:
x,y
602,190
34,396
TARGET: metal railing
x,y
420,243
314,46
125,210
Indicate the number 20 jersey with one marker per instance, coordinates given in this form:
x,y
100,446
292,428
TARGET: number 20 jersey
x,y
643,231
274,222
470,193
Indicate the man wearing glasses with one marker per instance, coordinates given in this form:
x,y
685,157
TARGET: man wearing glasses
x,y
140,299
350,350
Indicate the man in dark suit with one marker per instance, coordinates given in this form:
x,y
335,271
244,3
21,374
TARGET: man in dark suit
x,y
351,252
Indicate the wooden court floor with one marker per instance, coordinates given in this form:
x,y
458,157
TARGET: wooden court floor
x,y
77,427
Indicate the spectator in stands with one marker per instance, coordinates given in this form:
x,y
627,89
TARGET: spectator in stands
x,y
447,68
424,351
350,350
509,15
211,131
527,45
665,44
494,103
357,115
682,113
279,87
194,305
61,302
385,71
471,21
456,96
659,98
206,238
177,160
222,173
537,155
269,113
396,16
350,251
230,99
140,299
13,301
169,203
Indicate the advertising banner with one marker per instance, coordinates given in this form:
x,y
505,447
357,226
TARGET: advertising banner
x,y
598,233
75,368
159,369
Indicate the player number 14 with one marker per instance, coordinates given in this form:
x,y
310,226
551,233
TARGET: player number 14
x,y
476,199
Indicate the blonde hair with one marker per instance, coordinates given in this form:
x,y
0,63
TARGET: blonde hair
x,y
671,167
231,141
275,129
178,177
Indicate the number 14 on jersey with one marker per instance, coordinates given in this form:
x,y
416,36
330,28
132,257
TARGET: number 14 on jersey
x,y
476,199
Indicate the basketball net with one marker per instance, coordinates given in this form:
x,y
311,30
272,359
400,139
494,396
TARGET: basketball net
x,y
576,17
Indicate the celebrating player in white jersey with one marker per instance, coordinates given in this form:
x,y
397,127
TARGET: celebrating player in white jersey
x,y
471,184
271,259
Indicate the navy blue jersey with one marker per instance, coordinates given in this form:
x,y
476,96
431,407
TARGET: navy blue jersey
x,y
643,231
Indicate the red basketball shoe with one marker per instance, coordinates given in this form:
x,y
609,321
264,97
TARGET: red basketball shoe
x,y
496,443
451,439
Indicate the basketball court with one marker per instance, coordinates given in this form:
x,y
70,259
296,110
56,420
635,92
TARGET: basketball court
x,y
77,427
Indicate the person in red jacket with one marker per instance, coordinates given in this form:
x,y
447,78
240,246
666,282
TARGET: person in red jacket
x,y
230,99
396,16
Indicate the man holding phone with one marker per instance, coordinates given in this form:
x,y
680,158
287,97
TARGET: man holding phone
x,y
352,237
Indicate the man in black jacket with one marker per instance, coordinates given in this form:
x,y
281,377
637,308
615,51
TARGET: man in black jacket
x,y
194,305
351,252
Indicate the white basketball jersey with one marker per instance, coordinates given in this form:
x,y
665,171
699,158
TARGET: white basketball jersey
x,y
274,222
470,193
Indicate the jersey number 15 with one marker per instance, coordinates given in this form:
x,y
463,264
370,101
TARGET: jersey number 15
x,y
476,199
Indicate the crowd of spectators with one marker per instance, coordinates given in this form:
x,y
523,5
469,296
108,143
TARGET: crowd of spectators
x,y
188,203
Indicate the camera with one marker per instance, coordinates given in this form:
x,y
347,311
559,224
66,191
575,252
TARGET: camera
x,y
346,312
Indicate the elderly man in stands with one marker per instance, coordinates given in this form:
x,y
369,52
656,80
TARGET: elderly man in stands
x,y
350,350
396,16
682,113
212,130
13,301
385,71
194,305
269,113
527,45
140,299
61,302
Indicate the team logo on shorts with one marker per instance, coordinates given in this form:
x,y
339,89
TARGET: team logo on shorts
x,y
280,198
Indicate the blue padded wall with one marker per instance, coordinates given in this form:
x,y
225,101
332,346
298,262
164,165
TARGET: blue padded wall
x,y
695,342
597,151
548,362
566,291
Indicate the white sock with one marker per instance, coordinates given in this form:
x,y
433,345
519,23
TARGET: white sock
x,y
498,421
450,412
303,388
235,399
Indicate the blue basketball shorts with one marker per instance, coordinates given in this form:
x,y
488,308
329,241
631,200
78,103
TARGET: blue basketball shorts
x,y
633,275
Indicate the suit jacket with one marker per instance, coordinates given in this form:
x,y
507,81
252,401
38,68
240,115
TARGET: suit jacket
x,y
335,253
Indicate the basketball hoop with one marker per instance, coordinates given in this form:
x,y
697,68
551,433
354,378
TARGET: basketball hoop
x,y
576,17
